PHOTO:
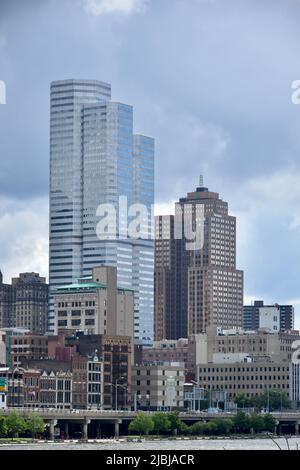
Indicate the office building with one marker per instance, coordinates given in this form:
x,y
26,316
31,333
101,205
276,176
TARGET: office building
x,y
3,387
167,351
252,377
87,382
2,349
95,305
95,158
27,347
24,303
116,352
196,281
252,318
158,385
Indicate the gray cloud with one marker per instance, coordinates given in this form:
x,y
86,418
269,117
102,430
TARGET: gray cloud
x,y
210,80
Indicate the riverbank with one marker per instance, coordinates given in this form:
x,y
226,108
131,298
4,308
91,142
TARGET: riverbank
x,y
158,445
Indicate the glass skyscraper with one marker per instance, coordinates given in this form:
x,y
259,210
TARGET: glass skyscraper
x,y
94,160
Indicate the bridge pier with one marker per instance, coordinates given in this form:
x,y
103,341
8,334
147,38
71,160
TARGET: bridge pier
x,y
66,430
98,430
53,423
85,429
279,429
117,428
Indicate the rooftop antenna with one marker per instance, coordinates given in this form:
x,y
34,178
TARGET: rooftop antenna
x,y
201,183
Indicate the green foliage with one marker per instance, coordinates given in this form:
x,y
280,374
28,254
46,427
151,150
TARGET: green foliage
x,y
3,426
210,428
241,422
174,421
197,428
184,428
269,422
15,424
142,424
274,399
161,422
256,422
224,425
35,424
242,401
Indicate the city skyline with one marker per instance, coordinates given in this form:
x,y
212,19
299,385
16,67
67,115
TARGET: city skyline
x,y
237,122
95,159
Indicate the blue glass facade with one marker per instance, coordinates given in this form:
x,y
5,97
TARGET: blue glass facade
x,y
95,159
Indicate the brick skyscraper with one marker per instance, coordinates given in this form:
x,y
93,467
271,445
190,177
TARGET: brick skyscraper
x,y
197,287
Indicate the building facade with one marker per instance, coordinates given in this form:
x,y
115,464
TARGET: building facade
x,y
167,351
56,389
158,385
96,305
87,382
94,160
259,343
3,387
196,281
251,314
27,347
117,355
24,303
2,349
250,378
295,373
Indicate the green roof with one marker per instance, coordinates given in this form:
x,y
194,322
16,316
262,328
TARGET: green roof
x,y
88,286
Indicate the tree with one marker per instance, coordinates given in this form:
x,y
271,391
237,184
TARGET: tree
x,y
174,421
223,425
15,424
256,422
269,422
242,401
210,428
272,399
3,426
241,422
198,428
184,428
142,424
35,424
161,422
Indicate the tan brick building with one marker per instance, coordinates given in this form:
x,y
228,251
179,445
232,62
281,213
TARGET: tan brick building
x,y
249,378
158,385
96,305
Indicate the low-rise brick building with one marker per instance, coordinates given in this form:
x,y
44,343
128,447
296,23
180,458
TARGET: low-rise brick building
x,y
158,385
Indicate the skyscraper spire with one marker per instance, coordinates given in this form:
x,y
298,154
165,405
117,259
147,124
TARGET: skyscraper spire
x,y
201,182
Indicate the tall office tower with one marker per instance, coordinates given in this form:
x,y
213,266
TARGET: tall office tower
x,y
165,320
251,315
24,303
143,247
94,155
208,287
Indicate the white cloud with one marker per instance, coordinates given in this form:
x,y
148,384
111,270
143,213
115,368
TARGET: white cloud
x,y
23,237
162,208
127,7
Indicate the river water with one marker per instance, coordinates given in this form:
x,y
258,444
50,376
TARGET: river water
x,y
161,445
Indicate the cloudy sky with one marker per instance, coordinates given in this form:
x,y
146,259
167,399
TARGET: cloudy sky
x,y
209,79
